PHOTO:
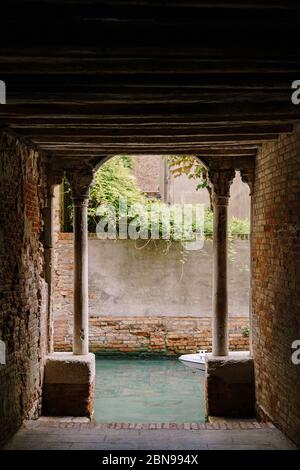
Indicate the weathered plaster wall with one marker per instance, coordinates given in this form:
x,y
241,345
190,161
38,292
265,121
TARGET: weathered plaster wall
x,y
153,176
183,189
276,281
146,279
147,171
22,287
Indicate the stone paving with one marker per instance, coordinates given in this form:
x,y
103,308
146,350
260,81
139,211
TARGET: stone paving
x,y
80,434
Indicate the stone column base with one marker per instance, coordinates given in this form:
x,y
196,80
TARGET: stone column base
x,y
230,388
69,383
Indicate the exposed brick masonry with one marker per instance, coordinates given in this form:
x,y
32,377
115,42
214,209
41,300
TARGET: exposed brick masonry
x,y
276,281
22,285
160,335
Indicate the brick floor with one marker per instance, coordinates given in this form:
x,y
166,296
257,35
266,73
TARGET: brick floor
x,y
79,433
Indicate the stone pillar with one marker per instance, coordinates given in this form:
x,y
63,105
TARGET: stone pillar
x,y
48,251
248,177
69,379
80,183
48,241
220,181
80,293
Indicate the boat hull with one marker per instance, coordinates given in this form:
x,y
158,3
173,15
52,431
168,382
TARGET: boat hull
x,y
195,361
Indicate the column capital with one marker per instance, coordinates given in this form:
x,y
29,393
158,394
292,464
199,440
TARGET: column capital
x,y
220,181
80,181
248,177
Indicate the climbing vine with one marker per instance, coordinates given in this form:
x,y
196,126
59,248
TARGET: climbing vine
x,y
115,180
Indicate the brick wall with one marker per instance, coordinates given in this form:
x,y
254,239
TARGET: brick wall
x,y
153,335
276,281
22,286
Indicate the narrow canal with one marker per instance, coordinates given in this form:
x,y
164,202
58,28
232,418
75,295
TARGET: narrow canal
x,y
148,391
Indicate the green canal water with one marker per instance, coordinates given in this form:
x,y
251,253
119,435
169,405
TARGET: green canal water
x,y
148,391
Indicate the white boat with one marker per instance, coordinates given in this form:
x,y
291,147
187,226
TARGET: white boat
x,y
195,360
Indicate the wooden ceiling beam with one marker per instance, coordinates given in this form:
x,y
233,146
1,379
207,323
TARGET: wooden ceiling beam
x,y
138,65
160,99
135,83
109,124
127,148
152,140
110,153
154,131
241,110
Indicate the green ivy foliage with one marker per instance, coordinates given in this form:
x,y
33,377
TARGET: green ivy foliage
x,y
115,179
112,181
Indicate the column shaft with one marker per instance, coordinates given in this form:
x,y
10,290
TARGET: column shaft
x,y
49,261
248,177
80,329
220,180
220,301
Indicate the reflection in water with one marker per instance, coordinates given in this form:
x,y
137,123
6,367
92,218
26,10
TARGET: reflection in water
x,y
148,390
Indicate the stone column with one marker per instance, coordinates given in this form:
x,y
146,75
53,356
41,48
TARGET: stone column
x,y
48,252
69,378
48,212
80,183
248,177
220,181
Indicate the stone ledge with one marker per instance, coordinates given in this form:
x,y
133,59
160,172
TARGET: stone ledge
x,y
78,423
69,382
234,368
66,367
